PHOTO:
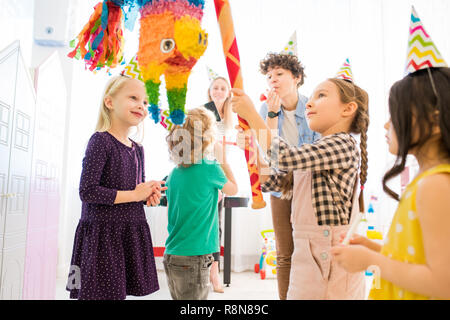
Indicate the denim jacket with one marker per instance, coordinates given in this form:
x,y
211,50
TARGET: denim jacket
x,y
305,134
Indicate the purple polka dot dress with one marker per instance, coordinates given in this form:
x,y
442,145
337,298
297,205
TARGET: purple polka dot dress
x,y
113,247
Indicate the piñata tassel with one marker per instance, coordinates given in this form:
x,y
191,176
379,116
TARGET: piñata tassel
x,y
154,110
100,43
177,99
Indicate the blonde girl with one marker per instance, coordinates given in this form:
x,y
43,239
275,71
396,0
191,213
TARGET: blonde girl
x,y
112,253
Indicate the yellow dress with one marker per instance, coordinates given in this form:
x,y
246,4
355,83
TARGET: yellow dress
x,y
404,240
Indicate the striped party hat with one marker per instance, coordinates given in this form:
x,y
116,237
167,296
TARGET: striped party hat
x,y
422,52
132,69
345,72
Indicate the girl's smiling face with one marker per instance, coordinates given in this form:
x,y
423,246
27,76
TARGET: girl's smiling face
x,y
219,91
129,105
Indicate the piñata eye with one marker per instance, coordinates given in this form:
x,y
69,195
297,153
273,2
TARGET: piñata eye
x,y
167,45
200,38
206,39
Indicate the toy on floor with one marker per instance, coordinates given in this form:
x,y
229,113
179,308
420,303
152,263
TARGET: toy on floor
x,y
268,260
371,226
373,230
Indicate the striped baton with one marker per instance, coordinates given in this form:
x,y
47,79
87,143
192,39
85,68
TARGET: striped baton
x,y
231,52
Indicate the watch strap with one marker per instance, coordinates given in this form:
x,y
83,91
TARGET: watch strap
x,y
272,114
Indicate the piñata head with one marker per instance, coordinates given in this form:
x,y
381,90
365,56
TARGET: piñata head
x,y
171,41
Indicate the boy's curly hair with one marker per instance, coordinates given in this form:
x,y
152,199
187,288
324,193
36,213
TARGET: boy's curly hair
x,y
188,143
282,60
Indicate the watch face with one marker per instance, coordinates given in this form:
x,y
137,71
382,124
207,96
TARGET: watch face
x,y
272,114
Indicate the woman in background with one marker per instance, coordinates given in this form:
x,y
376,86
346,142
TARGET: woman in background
x,y
219,94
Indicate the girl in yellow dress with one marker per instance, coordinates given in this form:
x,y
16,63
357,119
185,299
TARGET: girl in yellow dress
x,y
414,261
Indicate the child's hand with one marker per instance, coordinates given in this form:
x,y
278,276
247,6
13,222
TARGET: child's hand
x,y
242,105
156,193
153,200
360,240
157,186
143,191
352,258
355,239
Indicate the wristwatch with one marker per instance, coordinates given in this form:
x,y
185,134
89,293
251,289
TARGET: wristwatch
x,y
272,114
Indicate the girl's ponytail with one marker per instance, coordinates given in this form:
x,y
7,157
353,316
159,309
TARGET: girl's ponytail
x,y
362,124
350,92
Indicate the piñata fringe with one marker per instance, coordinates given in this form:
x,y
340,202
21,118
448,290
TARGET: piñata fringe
x,y
100,43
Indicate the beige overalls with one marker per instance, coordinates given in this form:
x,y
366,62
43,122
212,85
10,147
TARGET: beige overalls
x,y
314,275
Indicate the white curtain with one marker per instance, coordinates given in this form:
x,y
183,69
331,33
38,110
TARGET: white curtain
x,y
371,33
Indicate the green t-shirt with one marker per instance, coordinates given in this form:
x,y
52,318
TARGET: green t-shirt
x,y
193,221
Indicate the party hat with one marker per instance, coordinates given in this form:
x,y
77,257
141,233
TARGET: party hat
x,y
345,72
132,69
422,52
211,74
291,45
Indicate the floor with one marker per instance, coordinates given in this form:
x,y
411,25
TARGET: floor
x,y
244,286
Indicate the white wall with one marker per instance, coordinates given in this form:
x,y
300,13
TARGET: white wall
x,y
16,23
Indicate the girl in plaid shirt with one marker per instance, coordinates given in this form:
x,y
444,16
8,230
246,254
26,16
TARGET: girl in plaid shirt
x,y
324,188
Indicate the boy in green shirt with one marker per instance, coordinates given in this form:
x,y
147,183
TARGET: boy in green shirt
x,y
192,195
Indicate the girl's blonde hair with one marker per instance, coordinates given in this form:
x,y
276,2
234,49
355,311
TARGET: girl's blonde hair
x,y
195,136
348,92
114,85
226,105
